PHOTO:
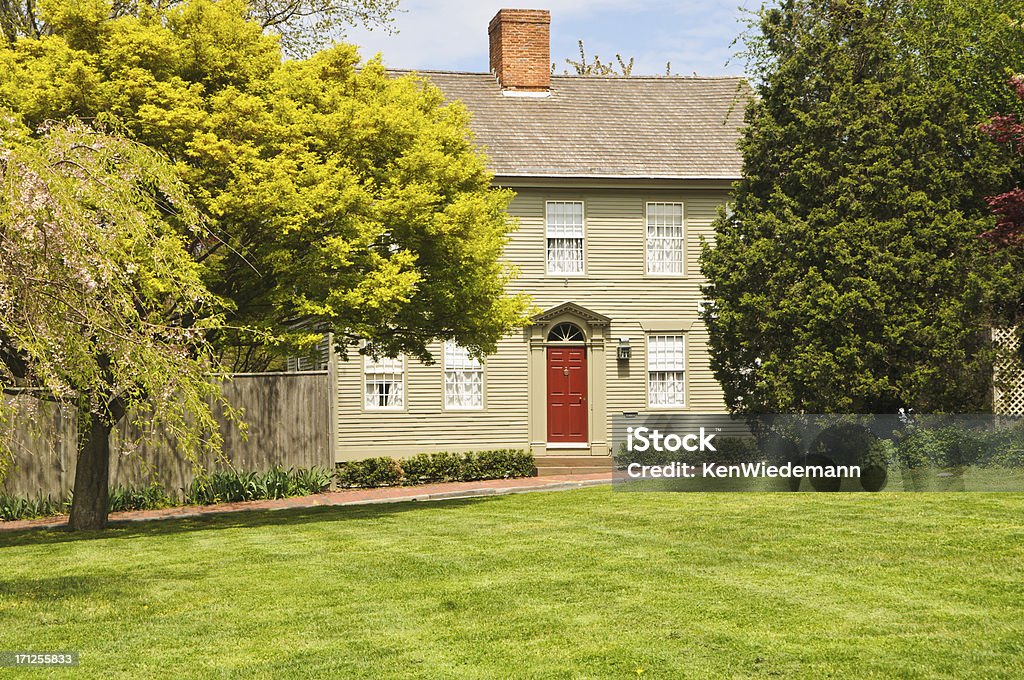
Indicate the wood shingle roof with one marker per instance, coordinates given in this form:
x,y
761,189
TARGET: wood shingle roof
x,y
636,127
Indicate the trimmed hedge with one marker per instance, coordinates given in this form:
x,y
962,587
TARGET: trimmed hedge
x,y
368,473
431,468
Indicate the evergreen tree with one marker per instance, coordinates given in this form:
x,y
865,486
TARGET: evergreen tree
x,y
848,275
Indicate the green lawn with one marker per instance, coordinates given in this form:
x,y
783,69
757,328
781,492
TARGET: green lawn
x,y
587,584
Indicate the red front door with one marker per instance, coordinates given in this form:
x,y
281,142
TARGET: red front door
x,y
567,395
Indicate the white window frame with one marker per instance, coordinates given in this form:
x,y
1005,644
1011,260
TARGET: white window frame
x,y
548,228
457,362
648,239
660,361
384,367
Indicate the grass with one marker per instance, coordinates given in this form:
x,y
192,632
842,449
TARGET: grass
x,y
577,584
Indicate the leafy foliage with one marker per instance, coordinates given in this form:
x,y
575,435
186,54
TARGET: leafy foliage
x,y
342,199
1009,206
216,487
302,26
14,508
338,199
102,307
848,275
370,472
236,486
430,468
152,497
729,450
959,447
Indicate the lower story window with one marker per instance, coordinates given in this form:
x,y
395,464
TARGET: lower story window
x,y
385,382
463,379
666,370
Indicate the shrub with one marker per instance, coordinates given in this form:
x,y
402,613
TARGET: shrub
x,y
13,508
431,468
234,486
961,445
498,464
651,456
215,487
308,481
371,472
146,498
428,468
731,450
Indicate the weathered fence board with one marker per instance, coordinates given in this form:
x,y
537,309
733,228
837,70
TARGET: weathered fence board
x,y
288,424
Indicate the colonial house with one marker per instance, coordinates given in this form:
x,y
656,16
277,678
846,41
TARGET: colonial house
x,y
617,182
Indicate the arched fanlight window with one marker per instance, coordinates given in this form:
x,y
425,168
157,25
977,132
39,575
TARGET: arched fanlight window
x,y
566,332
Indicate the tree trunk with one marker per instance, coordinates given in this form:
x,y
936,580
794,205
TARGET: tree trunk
x,y
89,505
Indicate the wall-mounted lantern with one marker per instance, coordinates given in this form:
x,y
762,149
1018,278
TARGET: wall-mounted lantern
x,y
624,350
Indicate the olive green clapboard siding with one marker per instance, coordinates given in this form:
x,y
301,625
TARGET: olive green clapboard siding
x,y
615,284
424,425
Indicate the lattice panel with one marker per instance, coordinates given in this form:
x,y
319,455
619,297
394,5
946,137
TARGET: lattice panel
x,y
1009,378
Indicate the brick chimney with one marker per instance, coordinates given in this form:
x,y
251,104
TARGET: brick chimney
x,y
521,50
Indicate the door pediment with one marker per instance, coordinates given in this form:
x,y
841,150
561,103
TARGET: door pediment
x,y
574,310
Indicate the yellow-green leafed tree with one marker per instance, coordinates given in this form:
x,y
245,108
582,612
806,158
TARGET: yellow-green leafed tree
x,y
343,199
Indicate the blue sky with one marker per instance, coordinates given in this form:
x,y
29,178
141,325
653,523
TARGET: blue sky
x,y
452,34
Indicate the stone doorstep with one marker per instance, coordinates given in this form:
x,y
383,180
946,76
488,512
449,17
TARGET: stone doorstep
x,y
571,459
562,465
426,493
572,471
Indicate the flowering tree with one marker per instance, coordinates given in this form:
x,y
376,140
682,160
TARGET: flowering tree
x,y
102,308
1009,206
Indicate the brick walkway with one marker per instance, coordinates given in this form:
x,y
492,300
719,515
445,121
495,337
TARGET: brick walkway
x,y
428,492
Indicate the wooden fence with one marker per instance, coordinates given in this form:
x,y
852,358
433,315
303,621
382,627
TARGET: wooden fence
x,y
287,416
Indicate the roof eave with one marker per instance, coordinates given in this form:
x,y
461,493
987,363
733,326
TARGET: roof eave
x,y
591,179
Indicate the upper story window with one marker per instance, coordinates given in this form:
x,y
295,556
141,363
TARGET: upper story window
x,y
666,369
385,383
463,379
665,243
565,237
